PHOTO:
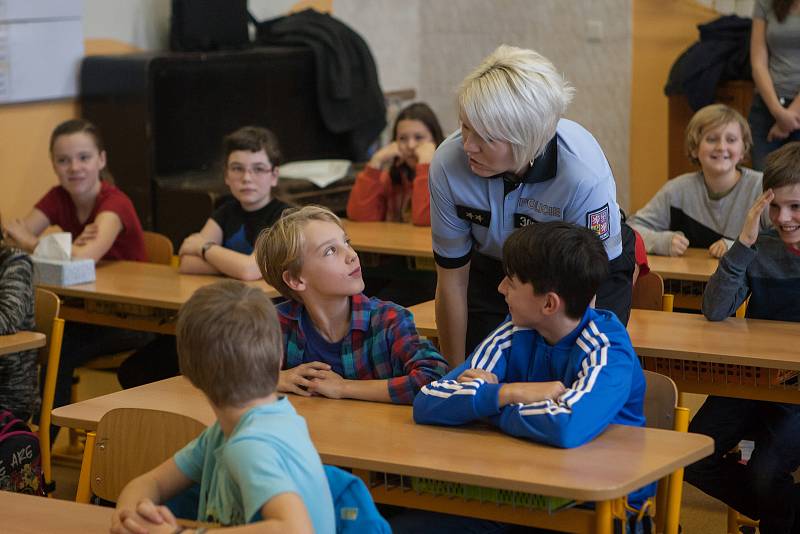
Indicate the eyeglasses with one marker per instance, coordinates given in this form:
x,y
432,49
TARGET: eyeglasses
x,y
259,171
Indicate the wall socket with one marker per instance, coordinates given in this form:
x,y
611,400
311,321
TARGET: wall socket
x,y
594,31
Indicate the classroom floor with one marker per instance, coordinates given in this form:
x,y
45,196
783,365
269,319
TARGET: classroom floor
x,y
700,514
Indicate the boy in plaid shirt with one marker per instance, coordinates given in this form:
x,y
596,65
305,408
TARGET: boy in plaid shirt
x,y
337,342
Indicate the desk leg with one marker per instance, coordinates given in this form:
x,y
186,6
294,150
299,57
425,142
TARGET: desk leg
x,y
84,493
604,517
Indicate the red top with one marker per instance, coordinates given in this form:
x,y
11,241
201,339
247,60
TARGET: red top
x,y
57,205
375,198
641,255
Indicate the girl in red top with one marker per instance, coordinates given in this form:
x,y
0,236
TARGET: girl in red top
x,y
394,184
103,225
100,217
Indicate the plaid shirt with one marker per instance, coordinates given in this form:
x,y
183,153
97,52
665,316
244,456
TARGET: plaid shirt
x,y
382,344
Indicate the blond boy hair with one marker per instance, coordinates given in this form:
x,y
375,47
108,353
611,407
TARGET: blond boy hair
x,y
710,117
230,344
279,248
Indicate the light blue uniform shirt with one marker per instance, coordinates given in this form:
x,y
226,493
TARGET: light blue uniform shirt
x,y
571,181
268,453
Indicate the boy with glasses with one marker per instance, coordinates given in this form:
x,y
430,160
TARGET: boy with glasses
x,y
225,244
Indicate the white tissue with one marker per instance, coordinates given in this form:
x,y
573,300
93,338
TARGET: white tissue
x,y
56,246
53,263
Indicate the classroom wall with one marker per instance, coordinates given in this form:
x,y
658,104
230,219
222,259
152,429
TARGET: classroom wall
x,y
25,171
430,47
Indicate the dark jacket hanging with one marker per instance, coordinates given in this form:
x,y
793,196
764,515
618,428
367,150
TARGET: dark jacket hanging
x,y
349,95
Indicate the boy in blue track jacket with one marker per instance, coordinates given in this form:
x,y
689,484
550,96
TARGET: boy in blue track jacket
x,y
556,371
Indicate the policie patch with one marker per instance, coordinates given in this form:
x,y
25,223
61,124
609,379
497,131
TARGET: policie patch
x,y
474,215
599,222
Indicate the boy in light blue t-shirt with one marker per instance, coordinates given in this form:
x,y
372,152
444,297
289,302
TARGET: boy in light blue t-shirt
x,y
256,465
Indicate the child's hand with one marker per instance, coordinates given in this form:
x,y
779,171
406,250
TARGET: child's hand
x,y
777,133
192,245
788,120
718,248
472,374
328,384
529,392
678,245
147,518
298,379
753,222
19,234
385,156
424,152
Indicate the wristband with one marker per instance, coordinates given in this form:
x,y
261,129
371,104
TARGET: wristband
x,y
207,245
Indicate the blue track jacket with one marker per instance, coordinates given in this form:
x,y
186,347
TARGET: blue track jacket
x,y
595,362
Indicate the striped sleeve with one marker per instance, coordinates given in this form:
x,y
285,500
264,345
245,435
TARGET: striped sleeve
x,y
448,402
18,371
598,393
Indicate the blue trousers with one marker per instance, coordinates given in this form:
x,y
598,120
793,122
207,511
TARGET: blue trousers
x,y
764,488
761,120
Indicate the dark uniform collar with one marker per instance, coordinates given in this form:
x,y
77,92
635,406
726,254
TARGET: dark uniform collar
x,y
543,168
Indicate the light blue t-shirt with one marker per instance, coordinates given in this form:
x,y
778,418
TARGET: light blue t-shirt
x,y
268,453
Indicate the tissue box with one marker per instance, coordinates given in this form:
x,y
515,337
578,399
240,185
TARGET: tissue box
x,y
62,272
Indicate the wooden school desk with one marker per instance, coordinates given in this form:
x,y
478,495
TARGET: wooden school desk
x,y
23,514
20,341
382,438
134,295
695,265
733,358
399,239
685,276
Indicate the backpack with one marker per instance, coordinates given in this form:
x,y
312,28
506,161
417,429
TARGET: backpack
x,y
20,457
352,502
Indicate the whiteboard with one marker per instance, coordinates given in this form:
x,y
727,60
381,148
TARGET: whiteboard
x,y
40,50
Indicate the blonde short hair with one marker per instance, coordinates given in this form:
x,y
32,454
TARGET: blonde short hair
x,y
230,344
517,96
279,248
710,117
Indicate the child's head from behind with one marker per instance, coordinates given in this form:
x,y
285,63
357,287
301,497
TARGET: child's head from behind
x,y
551,268
717,139
252,158
416,124
78,156
782,175
230,343
306,254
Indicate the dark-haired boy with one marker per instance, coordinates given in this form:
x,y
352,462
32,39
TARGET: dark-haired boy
x,y
556,371
256,466
765,267
225,243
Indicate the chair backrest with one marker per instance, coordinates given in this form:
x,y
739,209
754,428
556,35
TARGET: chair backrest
x,y
159,248
132,441
660,401
48,323
648,292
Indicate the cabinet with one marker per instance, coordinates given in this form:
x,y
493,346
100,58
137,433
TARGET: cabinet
x,y
163,117
736,94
